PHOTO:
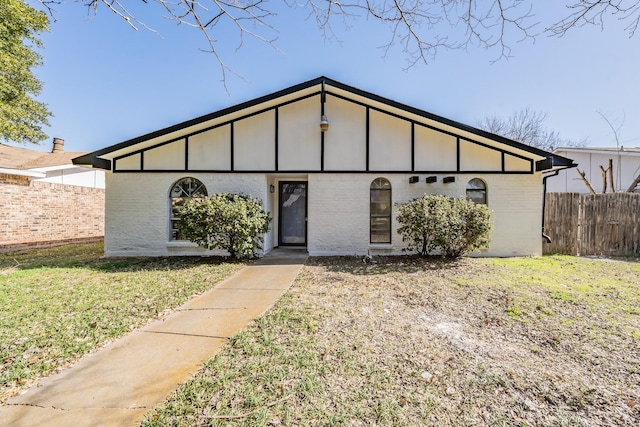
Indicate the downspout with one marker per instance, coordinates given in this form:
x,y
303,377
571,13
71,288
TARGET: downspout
x,y
544,198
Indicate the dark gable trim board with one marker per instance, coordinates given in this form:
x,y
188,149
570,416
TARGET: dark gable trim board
x,y
232,141
276,138
367,150
349,172
457,153
186,153
413,147
553,160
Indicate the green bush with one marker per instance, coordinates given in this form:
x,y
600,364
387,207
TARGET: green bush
x,y
452,226
235,223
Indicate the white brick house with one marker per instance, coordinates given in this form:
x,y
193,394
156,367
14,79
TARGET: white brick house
x,y
335,190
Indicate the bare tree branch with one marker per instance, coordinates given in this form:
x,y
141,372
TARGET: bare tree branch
x,y
586,181
420,28
633,185
595,12
527,126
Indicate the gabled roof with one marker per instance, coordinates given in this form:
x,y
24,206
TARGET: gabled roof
x,y
101,158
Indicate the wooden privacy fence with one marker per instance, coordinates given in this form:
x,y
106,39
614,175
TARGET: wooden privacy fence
x,y
592,224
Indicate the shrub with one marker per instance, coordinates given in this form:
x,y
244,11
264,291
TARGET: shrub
x,y
417,227
453,226
235,223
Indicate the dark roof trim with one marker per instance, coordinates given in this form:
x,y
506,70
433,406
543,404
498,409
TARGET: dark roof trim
x,y
553,159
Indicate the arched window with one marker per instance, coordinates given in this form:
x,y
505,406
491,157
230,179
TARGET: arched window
x,y
477,191
182,189
380,211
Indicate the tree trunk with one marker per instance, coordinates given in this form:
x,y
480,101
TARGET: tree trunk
x,y
604,179
633,186
613,187
586,181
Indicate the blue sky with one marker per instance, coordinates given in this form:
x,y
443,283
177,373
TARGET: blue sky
x,y
106,83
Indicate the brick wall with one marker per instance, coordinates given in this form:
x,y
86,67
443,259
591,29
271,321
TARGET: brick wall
x,y
138,211
339,211
34,213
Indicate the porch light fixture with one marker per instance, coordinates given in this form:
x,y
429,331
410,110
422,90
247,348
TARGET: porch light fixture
x,y
431,179
324,123
413,179
272,188
449,179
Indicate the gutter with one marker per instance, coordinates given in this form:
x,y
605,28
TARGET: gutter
x,y
20,172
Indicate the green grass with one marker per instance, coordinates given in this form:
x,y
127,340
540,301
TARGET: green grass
x,y
406,342
58,304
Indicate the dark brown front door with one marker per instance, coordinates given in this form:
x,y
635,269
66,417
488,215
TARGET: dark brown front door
x,y
292,200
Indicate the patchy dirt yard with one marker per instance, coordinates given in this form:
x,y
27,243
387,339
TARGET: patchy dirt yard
x,y
548,341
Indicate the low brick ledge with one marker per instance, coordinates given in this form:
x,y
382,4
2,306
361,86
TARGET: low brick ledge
x,y
48,244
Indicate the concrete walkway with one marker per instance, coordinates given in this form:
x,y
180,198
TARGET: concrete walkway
x,y
120,383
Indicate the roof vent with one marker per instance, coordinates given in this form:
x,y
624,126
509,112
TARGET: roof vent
x,y
58,145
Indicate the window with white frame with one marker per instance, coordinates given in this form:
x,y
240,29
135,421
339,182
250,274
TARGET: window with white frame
x,y
181,190
380,211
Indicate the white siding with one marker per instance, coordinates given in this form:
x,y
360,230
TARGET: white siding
x,y
254,142
131,163
299,136
475,157
389,143
211,150
166,157
516,164
81,177
434,151
345,144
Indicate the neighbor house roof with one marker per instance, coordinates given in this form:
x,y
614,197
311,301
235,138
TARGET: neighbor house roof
x,y
630,151
101,158
19,161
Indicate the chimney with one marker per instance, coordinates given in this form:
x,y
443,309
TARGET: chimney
x,y
58,145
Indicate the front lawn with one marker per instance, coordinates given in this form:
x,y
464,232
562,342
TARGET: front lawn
x,y
547,341
58,304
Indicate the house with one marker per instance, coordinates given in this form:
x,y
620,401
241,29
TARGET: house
x,y
330,162
625,164
46,200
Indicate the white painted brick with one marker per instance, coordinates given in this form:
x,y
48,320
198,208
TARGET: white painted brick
x,y
138,210
137,215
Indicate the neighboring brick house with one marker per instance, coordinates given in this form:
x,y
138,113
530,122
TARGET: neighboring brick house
x,y
45,200
330,163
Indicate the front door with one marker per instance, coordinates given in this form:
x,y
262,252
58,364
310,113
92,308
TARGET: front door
x,y
292,199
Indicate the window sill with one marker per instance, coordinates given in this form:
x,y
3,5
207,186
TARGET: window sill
x,y
181,243
380,246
